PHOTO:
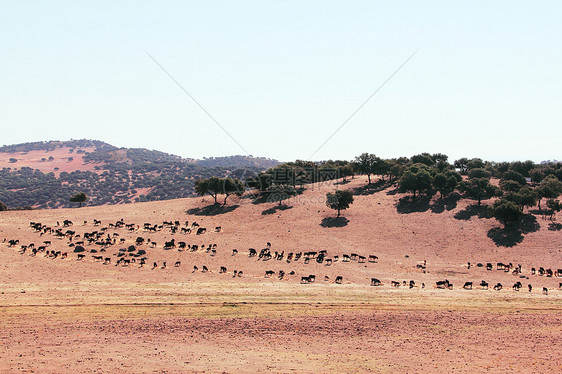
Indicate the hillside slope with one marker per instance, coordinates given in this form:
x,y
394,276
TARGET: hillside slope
x,y
376,224
46,174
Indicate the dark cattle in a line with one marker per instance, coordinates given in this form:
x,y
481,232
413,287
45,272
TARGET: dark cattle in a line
x,y
339,279
467,286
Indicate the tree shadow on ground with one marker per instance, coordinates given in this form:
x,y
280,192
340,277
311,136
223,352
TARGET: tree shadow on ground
x,y
342,182
372,188
212,210
274,209
407,205
334,222
481,211
513,234
554,226
445,203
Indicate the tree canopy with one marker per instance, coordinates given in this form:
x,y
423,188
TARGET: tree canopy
x,y
215,186
339,200
79,198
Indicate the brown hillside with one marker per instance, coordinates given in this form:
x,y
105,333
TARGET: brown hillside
x,y
144,319
33,160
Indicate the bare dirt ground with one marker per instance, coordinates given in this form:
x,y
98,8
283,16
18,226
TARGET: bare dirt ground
x,y
60,161
69,315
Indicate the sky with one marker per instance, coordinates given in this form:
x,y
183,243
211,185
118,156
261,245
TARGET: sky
x,y
277,78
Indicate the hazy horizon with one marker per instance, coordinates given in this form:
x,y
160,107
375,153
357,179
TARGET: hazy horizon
x,y
281,77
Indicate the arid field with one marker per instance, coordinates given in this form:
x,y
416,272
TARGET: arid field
x,y
105,315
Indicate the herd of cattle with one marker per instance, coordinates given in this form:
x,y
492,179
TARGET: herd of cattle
x,y
135,254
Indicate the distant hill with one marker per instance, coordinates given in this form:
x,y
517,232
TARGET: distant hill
x,y
46,174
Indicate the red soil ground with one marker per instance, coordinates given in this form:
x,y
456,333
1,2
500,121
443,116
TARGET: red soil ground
x,y
65,315
32,159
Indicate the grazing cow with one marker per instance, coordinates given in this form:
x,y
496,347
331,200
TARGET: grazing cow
x,y
517,286
339,279
170,244
412,284
311,278
252,253
234,252
489,266
375,282
443,284
530,287
373,258
204,269
96,222
484,284
201,230
269,273
395,284
328,261
533,271
281,274
98,258
107,260
549,272
195,268
177,264
541,271
163,265
558,273
298,256
498,287
346,258
154,265
222,270
467,286
361,259
218,229
240,273
66,223
545,291
81,256
304,280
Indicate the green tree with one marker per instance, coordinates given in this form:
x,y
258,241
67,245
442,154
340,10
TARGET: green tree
x,y
478,189
554,205
423,158
365,164
511,175
79,198
479,173
281,192
506,211
524,197
446,183
550,188
416,178
339,200
510,186
232,187
215,186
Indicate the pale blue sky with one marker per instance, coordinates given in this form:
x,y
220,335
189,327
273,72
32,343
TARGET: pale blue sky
x,y
282,75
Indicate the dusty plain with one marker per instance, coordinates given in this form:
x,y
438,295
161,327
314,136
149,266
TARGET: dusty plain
x,y
84,316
